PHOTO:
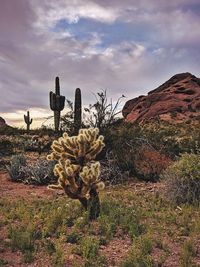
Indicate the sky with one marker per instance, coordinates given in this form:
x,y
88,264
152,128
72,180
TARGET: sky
x,y
126,47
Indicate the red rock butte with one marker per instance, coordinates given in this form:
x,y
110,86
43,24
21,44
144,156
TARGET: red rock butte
x,y
177,100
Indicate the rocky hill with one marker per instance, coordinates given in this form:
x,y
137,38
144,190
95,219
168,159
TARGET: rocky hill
x,y
177,100
2,122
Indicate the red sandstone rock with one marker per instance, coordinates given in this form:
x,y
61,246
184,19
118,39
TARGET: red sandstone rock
x,y
178,100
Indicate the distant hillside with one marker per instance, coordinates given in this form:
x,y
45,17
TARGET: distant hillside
x,y
177,100
2,122
5,128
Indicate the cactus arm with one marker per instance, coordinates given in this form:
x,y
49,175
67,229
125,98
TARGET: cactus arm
x,y
52,100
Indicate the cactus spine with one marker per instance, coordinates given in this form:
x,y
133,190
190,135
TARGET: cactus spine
x,y
28,121
77,111
57,103
78,173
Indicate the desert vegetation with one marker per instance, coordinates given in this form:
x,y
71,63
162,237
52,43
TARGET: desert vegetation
x,y
137,187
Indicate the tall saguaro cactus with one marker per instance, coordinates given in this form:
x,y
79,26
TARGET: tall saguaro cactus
x,y
28,121
77,111
57,103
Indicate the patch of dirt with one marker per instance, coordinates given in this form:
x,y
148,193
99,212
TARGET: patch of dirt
x,y
116,250
12,190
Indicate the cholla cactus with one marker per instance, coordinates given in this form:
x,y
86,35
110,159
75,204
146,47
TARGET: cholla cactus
x,y
78,173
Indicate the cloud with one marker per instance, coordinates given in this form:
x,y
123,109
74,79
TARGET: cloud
x,y
127,47
49,12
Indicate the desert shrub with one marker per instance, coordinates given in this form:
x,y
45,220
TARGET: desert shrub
x,y
107,227
37,143
118,141
73,238
190,141
6,146
39,173
23,240
8,130
114,214
183,179
145,150
103,113
111,172
163,137
149,163
58,257
139,254
89,247
136,152
15,167
187,253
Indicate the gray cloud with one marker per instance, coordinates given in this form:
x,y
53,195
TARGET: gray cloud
x,y
32,52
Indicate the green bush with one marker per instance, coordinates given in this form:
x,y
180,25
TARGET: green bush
x,y
183,179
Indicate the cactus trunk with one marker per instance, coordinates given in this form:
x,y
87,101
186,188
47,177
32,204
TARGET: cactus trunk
x,y
57,104
93,205
77,111
28,121
56,120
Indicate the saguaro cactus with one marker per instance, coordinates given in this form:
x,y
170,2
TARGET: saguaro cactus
x,y
28,121
77,111
57,103
78,173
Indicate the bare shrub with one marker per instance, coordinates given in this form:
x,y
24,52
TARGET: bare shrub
x,y
111,172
